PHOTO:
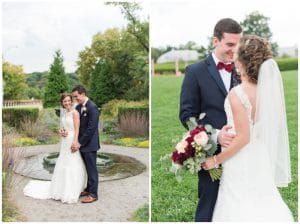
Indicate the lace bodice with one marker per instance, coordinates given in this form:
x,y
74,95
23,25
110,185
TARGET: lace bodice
x,y
67,120
245,101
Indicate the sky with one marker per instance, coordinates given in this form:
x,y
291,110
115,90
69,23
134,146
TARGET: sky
x,y
174,23
33,30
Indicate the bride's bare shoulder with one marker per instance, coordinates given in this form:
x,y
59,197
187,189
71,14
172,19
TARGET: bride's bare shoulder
x,y
232,92
75,113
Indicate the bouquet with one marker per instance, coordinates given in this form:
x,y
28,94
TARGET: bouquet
x,y
194,148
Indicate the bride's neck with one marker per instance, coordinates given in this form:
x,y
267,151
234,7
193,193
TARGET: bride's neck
x,y
248,84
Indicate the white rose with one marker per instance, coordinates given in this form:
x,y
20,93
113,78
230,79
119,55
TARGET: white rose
x,y
201,138
180,147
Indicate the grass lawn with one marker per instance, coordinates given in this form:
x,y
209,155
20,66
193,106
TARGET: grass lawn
x,y
173,201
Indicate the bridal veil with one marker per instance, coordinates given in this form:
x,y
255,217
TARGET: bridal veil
x,y
270,121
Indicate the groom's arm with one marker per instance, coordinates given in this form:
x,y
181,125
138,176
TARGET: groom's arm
x,y
190,98
92,126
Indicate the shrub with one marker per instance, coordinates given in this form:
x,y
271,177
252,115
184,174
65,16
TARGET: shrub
x,y
283,63
143,144
133,121
30,129
8,144
132,142
15,116
26,141
169,67
127,141
109,111
10,159
39,130
48,119
45,136
286,64
110,127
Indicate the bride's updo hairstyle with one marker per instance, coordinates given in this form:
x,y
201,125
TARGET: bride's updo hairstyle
x,y
63,96
252,52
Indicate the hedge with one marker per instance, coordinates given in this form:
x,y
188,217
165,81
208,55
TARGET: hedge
x,y
284,64
15,116
124,111
109,111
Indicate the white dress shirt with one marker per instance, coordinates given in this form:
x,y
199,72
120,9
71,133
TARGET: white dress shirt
x,y
226,76
83,105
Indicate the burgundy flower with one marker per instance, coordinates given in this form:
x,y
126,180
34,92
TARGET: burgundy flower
x,y
196,131
189,140
175,156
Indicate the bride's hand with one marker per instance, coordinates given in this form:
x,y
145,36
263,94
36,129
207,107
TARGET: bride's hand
x,y
208,164
74,146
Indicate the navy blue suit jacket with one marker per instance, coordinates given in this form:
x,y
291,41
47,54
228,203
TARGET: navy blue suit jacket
x,y
88,131
203,91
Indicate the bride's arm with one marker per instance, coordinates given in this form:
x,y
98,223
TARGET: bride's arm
x,y
76,126
242,129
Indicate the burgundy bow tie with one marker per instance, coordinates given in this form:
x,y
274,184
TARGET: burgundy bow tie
x,y
227,67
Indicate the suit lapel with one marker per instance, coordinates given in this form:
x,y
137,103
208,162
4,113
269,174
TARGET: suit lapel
x,y
78,108
212,68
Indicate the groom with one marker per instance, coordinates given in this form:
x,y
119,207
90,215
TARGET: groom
x,y
88,141
204,88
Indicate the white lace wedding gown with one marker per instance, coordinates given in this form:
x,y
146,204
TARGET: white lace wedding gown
x,y
247,190
69,176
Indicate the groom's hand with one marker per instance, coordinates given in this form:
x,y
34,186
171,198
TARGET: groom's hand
x,y
224,137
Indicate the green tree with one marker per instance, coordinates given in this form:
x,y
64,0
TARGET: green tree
x,y
125,52
35,93
204,52
102,85
190,45
57,82
136,27
15,86
73,80
258,24
157,52
138,69
36,82
86,64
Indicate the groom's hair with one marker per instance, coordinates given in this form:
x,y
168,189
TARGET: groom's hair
x,y
80,89
226,25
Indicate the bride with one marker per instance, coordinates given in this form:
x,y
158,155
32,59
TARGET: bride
x,y
69,176
257,161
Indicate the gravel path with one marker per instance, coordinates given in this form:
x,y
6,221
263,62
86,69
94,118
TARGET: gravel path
x,y
117,202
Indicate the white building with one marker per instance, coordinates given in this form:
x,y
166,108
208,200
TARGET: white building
x,y
181,55
288,51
